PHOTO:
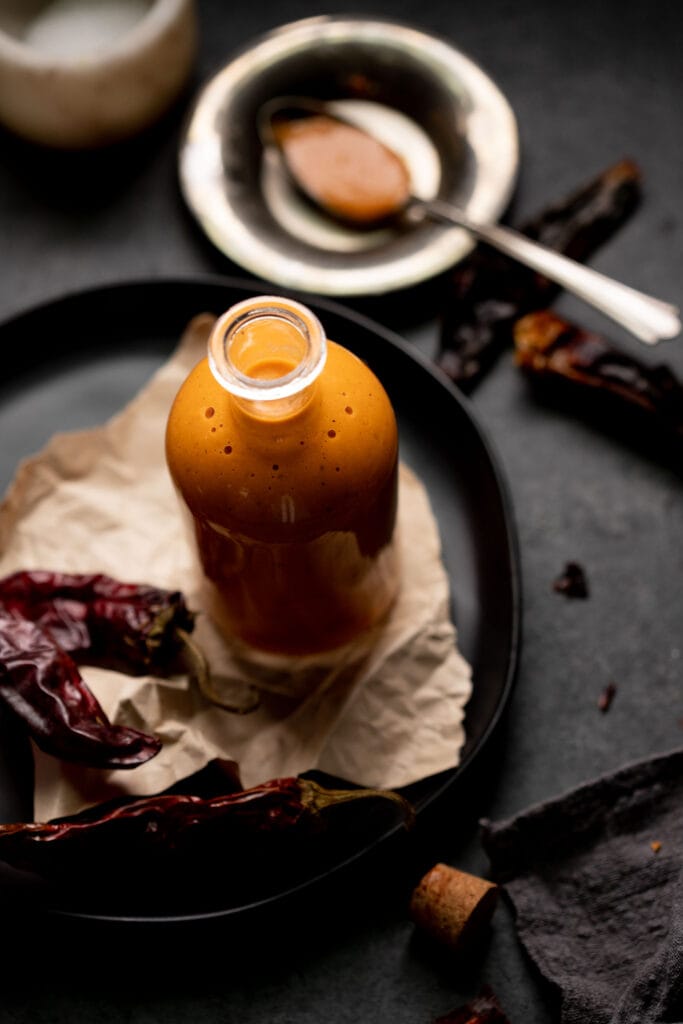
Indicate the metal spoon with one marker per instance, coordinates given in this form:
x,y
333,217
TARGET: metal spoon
x,y
648,318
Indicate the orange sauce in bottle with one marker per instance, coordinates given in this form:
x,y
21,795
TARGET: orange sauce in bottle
x,y
284,448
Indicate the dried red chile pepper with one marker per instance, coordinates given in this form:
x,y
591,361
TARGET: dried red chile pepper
x,y
50,622
133,628
130,627
489,291
551,349
41,684
154,830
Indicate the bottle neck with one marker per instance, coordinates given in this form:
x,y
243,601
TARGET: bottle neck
x,y
267,352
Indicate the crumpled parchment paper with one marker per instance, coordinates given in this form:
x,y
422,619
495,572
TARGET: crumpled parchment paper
x,y
384,712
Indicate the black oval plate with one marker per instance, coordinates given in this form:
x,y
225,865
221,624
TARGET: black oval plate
x,y
71,363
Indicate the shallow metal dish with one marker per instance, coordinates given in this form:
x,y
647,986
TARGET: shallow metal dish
x,y
451,123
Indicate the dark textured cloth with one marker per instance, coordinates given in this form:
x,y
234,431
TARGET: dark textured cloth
x,y
596,881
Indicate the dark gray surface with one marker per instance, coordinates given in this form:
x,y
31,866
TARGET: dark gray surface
x,y
590,82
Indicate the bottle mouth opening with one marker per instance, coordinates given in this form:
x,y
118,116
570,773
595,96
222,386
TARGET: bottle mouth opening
x,y
267,348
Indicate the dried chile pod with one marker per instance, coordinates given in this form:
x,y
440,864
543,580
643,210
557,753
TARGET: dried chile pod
x,y
132,627
549,348
41,684
489,291
216,778
152,831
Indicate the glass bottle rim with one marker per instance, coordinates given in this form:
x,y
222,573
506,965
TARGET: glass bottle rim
x,y
262,307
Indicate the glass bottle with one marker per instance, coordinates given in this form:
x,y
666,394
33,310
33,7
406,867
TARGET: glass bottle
x,y
284,448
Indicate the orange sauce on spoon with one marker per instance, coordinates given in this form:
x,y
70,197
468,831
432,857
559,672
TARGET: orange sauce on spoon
x,y
343,169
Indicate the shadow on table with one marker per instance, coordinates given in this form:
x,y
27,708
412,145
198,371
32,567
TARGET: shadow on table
x,y
630,428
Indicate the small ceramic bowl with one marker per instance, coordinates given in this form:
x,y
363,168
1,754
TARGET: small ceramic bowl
x,y
82,73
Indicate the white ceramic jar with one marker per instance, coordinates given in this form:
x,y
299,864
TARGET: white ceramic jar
x,y
83,73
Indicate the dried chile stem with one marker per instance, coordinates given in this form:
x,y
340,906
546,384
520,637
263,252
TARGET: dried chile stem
x,y
41,684
238,697
490,291
549,348
317,798
159,827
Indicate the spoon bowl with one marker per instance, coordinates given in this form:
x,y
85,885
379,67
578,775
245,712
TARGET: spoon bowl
x,y
339,166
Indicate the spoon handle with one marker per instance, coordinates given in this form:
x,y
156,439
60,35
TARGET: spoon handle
x,y
649,319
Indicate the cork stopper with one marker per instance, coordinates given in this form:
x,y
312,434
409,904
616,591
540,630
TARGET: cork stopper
x,y
452,906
